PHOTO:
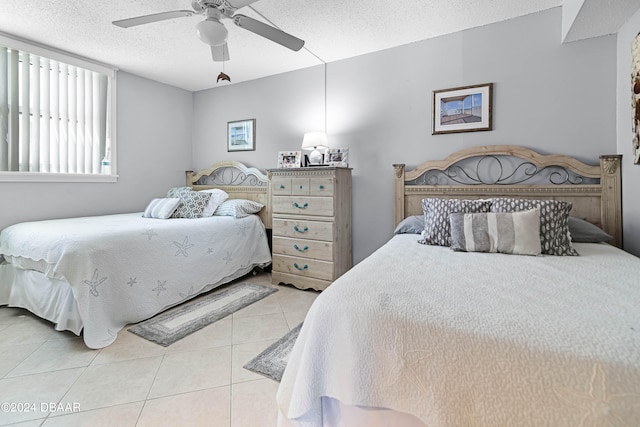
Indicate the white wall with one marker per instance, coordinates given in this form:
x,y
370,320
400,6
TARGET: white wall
x,y
552,97
154,150
630,171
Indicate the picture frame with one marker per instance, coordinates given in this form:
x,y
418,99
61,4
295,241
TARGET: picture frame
x,y
463,109
635,99
337,157
241,135
289,159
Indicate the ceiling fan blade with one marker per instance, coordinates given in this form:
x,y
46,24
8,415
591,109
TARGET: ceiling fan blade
x,y
155,17
220,53
237,4
269,32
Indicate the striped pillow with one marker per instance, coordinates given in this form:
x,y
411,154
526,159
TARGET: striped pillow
x,y
436,217
161,208
508,233
554,218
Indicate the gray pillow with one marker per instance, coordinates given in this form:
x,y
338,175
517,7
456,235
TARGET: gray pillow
x,y
411,225
193,203
507,233
554,228
437,229
584,232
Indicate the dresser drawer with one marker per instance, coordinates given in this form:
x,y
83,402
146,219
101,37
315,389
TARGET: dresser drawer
x,y
321,187
303,267
315,230
281,185
303,248
302,205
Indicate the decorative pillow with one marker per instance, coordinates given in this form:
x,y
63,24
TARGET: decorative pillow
x,y
217,197
507,233
411,225
584,232
176,191
554,228
161,208
238,208
193,203
436,217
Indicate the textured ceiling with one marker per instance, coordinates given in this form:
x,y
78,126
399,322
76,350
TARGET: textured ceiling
x,y
171,53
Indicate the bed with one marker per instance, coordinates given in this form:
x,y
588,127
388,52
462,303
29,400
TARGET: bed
x,y
423,335
94,275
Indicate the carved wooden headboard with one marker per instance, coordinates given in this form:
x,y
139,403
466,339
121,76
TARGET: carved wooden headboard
x,y
238,180
513,171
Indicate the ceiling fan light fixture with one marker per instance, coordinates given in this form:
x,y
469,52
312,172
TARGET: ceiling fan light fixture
x,y
212,32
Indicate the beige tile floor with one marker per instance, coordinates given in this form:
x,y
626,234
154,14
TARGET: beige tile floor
x,y
197,381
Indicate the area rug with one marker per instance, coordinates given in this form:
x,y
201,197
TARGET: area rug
x,y
272,361
189,317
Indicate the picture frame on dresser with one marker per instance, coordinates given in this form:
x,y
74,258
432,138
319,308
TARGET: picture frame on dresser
x,y
289,159
337,157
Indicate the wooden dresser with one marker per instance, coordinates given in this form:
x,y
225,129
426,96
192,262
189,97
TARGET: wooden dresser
x,y
311,214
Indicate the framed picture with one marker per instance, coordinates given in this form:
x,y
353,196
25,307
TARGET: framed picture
x,y
241,135
337,157
289,159
635,98
462,109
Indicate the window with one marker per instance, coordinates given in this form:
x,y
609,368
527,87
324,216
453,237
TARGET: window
x,y
56,118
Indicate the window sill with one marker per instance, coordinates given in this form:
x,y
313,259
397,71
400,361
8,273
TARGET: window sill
x,y
55,177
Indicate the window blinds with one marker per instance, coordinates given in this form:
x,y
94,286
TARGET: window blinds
x,y
53,115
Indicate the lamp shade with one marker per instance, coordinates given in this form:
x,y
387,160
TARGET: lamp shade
x,y
313,140
212,32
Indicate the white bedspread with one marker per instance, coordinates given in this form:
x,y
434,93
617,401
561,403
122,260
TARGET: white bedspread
x,y
471,339
126,268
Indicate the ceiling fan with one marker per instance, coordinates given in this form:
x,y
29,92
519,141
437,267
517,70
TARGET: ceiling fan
x,y
212,32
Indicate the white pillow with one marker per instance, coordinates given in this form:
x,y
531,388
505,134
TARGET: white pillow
x,y
161,208
217,197
238,208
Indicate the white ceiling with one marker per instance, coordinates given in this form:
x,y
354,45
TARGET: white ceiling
x,y
170,52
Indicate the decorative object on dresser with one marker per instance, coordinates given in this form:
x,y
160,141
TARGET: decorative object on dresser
x,y
311,217
462,109
289,159
337,157
314,141
241,135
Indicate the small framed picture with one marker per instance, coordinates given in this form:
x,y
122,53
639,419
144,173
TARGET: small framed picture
x,y
241,135
289,159
462,109
337,157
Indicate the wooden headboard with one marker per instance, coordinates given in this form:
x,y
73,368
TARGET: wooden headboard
x,y
513,171
238,180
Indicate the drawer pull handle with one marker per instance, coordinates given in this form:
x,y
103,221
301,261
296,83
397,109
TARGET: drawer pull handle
x,y
301,187
297,248
281,186
305,267
322,187
304,230
303,206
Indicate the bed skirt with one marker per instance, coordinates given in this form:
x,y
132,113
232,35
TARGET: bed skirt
x,y
53,300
